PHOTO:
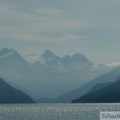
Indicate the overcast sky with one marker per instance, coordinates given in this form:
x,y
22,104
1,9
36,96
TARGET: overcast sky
x,y
90,27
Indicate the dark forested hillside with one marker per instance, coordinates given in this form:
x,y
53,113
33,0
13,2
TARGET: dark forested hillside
x,y
8,94
109,94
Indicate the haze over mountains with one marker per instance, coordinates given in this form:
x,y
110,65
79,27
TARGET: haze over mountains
x,y
48,75
91,86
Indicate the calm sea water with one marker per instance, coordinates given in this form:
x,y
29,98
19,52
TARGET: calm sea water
x,y
54,111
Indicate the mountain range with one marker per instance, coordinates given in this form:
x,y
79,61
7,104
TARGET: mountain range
x,y
91,86
48,75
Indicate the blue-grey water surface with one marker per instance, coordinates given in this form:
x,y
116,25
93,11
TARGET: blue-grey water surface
x,y
54,111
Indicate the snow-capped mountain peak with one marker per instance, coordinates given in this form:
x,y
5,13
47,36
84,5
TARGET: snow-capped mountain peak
x,y
80,59
11,58
48,55
7,52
